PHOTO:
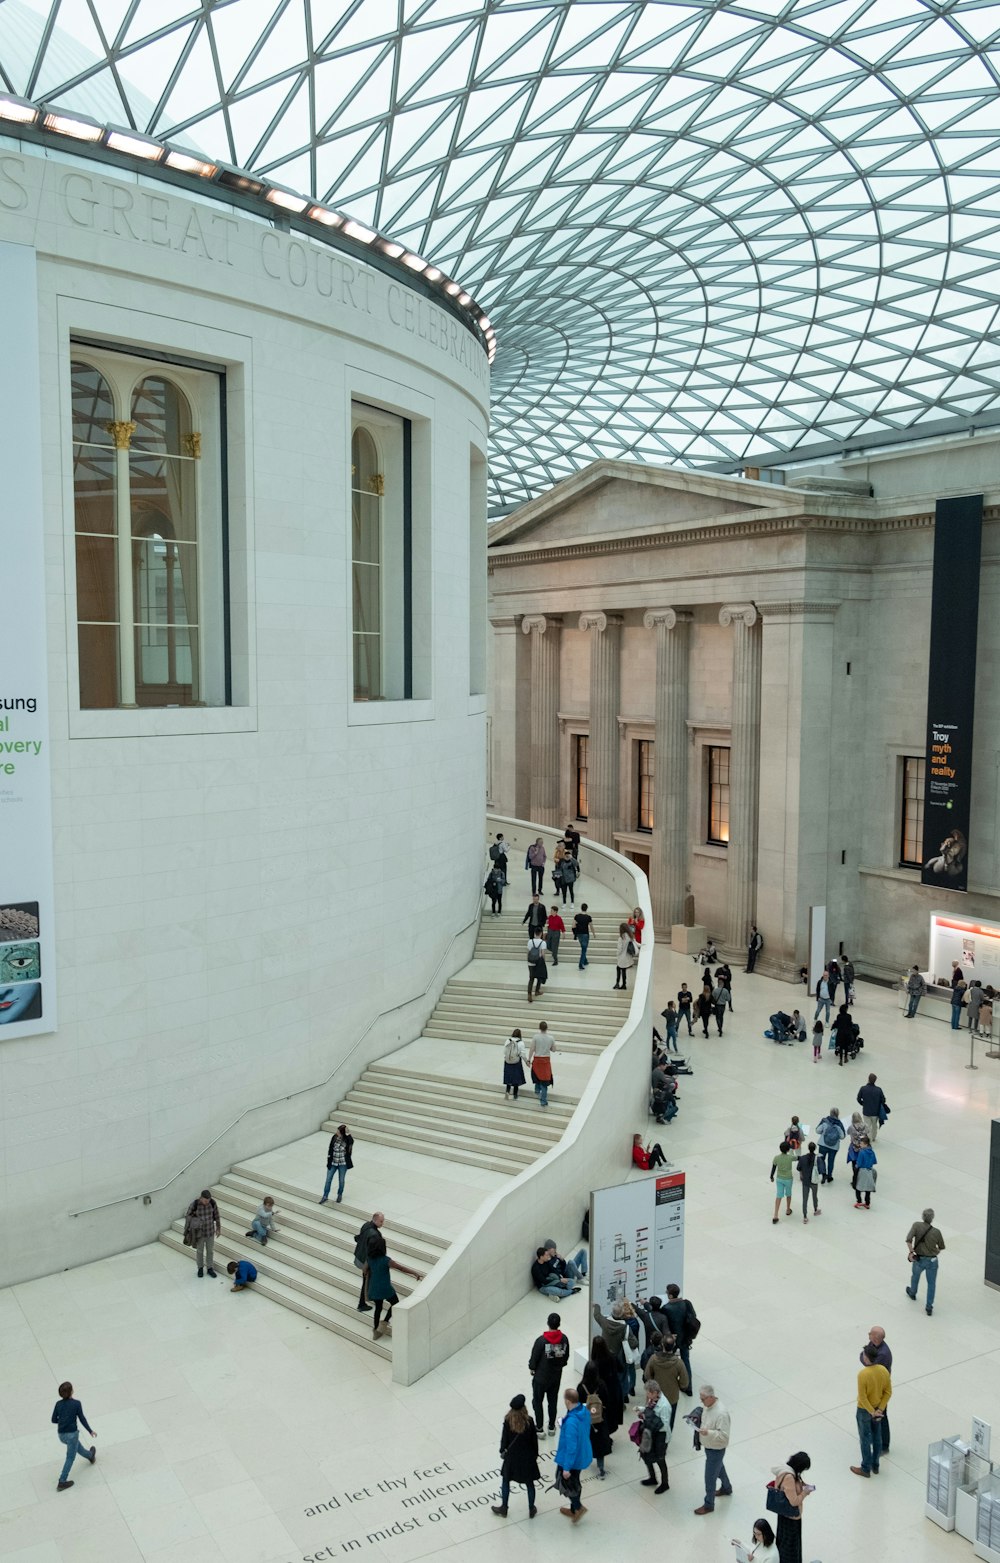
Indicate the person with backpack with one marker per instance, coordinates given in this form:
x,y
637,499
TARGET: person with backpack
x,y
499,855
806,1168
683,1324
538,972
568,876
665,1366
754,946
625,956
830,1132
494,889
654,1437
515,1055
518,1455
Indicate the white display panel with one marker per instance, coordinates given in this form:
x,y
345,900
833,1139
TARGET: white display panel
x,y
637,1238
27,945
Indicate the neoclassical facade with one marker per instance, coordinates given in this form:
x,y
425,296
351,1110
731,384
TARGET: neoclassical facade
x,y
726,679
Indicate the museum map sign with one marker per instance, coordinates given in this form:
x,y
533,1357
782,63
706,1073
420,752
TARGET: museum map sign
x,y
951,691
27,950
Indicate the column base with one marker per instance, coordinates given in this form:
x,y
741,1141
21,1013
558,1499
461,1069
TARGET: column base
x,y
688,941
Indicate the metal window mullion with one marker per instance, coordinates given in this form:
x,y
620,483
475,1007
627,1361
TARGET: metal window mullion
x,y
126,602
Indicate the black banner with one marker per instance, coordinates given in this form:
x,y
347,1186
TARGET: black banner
x,y
951,691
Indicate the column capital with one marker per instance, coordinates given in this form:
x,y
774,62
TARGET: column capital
x,y
738,613
540,622
600,621
670,617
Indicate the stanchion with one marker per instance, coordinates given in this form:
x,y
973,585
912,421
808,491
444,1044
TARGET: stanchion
x,y
972,1050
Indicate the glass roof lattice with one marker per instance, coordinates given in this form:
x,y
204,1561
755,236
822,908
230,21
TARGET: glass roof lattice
x,y
702,229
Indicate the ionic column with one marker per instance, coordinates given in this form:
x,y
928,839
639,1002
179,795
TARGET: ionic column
x,y
544,791
670,821
605,673
744,770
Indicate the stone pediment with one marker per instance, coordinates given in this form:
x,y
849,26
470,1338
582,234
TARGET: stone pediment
x,y
609,498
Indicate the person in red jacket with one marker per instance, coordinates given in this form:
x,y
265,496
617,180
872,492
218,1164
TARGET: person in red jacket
x,y
646,1156
554,930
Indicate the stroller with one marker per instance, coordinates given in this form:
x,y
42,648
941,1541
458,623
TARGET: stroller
x,y
853,1043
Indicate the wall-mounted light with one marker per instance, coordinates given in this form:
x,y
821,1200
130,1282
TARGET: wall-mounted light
x,y
286,199
235,179
75,125
17,110
134,146
359,231
187,163
323,214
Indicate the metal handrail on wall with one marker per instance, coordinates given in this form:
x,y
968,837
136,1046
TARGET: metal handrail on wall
x,y
124,1199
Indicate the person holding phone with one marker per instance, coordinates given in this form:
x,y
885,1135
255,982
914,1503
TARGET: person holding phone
x,y
788,1481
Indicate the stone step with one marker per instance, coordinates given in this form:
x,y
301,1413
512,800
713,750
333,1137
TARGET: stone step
x,y
565,1105
521,1132
318,1260
428,1091
445,1031
488,1163
592,1000
416,1134
584,1026
353,1326
345,1214
321,1225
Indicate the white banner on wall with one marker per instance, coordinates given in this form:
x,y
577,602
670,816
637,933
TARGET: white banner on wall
x,y
637,1238
27,945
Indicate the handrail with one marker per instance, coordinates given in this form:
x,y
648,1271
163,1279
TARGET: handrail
x,y
123,1199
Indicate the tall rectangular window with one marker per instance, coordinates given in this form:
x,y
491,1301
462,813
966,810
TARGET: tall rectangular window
x,y
645,760
381,556
147,492
911,814
718,795
581,747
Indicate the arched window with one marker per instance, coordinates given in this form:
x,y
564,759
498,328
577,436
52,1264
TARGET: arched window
x,y
96,522
150,584
367,488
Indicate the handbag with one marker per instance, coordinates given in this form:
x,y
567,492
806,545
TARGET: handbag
x,y
777,1502
635,1432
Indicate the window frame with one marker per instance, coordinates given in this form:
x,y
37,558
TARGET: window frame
x,y
384,427
917,802
202,386
577,771
711,751
645,749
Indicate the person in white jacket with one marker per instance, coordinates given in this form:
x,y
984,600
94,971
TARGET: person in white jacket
x,y
625,956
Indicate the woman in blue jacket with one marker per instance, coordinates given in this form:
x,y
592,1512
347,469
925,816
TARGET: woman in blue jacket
x,y
573,1453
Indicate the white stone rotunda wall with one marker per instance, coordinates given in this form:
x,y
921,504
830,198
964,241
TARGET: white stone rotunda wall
x,y
251,901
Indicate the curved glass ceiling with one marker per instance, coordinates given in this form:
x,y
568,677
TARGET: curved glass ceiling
x,y
701,229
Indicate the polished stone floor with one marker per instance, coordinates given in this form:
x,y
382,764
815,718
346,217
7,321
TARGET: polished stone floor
x,y
230,1429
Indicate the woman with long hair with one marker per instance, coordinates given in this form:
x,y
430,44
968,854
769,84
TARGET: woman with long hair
x,y
519,1456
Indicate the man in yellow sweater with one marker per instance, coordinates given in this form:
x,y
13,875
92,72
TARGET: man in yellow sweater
x,y
874,1392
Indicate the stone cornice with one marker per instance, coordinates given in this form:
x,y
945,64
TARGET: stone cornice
x,y
504,555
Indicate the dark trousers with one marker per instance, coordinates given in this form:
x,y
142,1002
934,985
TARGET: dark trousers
x,y
568,890
656,1156
656,1468
751,960
379,1305
806,1187
621,976
789,1540
825,1160
537,876
720,1011
684,1352
550,1392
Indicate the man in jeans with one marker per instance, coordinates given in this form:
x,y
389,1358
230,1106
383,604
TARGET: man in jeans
x,y
581,931
714,1437
923,1244
874,1393
916,987
68,1416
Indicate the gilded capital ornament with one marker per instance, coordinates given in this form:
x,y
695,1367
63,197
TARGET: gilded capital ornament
x,y
121,432
376,484
738,613
192,445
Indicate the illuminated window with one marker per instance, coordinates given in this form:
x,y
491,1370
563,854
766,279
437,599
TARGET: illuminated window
x,y
381,563
911,814
645,759
149,536
581,749
718,795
